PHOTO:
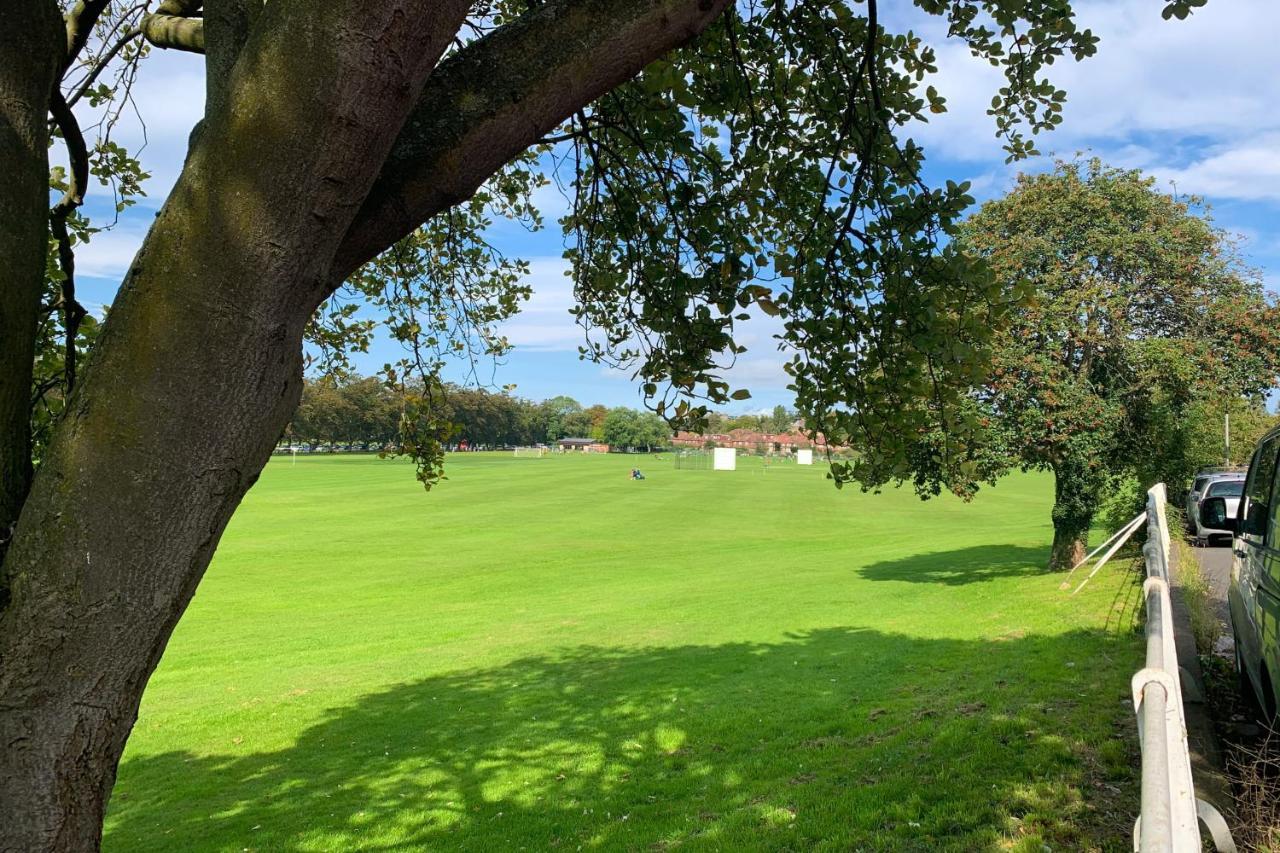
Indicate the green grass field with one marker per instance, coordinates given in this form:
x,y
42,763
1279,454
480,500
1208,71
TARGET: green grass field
x,y
542,654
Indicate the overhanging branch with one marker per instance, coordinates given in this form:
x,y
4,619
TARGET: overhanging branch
x,y
502,93
174,31
227,27
77,153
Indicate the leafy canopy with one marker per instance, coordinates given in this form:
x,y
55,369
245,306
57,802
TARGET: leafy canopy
x,y
1141,314
625,427
765,168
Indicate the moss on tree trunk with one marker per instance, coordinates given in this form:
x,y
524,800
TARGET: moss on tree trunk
x,y
1075,497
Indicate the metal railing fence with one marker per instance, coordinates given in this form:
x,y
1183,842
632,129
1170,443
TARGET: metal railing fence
x,y
1170,812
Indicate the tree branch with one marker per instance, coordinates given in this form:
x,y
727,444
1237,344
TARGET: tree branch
x,y
181,8
72,311
504,92
173,31
101,64
228,23
79,22
77,152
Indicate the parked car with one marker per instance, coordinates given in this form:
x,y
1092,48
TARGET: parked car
x,y
1254,594
1192,496
1202,479
1226,485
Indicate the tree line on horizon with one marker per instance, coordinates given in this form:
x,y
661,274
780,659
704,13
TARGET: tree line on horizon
x,y
362,411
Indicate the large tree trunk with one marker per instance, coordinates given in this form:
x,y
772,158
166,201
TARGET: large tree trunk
x,y
31,49
1074,502
185,394
118,530
198,369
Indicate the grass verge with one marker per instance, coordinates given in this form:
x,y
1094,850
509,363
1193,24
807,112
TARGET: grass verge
x,y
1193,585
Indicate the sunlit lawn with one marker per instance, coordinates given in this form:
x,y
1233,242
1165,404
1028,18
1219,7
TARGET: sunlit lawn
x,y
542,654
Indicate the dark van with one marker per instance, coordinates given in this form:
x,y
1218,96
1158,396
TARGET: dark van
x,y
1254,596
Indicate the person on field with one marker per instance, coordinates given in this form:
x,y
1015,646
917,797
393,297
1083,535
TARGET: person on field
x,y
636,475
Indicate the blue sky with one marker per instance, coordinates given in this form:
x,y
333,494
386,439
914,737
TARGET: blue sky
x,y
1192,102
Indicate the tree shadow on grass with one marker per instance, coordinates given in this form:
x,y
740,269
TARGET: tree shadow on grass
x,y
962,565
834,739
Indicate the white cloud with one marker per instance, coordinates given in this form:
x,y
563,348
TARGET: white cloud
x,y
759,373
108,254
1154,96
167,101
545,325
544,322
760,368
552,202
1248,169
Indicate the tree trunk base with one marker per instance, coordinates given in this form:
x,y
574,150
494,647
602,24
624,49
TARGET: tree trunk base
x,y
1068,550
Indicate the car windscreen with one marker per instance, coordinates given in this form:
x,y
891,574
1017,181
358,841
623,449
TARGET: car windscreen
x,y
1226,489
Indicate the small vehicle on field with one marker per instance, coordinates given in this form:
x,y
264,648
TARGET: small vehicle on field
x,y
1254,594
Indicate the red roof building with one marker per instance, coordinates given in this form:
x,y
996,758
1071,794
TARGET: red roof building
x,y
747,439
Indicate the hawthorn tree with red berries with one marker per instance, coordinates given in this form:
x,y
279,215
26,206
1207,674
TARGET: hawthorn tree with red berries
x,y
1135,311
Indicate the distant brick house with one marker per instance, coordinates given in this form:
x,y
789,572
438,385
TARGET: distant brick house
x,y
748,439
693,439
582,445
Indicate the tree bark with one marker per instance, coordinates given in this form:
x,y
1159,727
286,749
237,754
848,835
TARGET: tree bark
x,y
31,49
193,379
226,25
1074,502
199,367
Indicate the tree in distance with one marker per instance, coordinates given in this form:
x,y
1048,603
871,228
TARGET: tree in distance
x,y
1137,317
781,420
629,429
